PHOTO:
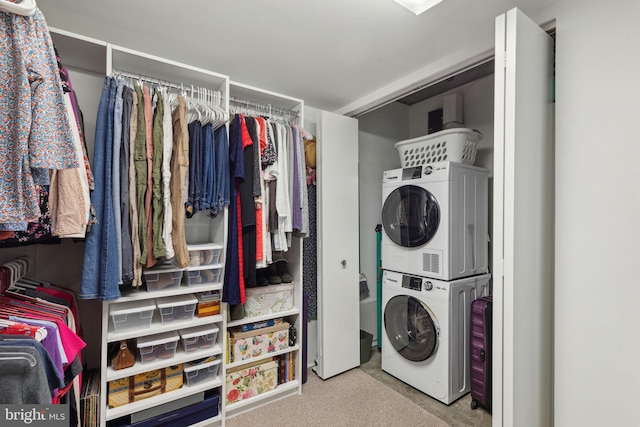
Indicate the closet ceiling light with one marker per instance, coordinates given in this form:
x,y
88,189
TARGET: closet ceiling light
x,y
418,6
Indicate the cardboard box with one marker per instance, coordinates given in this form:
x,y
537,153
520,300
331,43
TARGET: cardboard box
x,y
268,299
250,380
245,345
141,386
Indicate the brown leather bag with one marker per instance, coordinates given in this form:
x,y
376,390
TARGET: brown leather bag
x,y
124,357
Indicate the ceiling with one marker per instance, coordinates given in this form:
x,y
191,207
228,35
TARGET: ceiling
x,y
330,53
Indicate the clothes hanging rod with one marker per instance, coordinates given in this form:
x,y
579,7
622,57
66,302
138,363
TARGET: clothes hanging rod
x,y
240,102
177,86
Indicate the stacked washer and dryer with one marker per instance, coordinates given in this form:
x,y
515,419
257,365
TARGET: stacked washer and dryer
x,y
434,255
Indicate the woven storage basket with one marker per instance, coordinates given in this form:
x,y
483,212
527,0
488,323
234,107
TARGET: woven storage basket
x,y
453,145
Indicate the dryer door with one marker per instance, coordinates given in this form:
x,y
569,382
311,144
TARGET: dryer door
x,y
410,328
410,216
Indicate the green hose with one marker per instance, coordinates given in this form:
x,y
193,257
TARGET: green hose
x,y
379,285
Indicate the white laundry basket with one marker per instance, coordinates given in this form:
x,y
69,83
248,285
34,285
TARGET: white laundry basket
x,y
454,145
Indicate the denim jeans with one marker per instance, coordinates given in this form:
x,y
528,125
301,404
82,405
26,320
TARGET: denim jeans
x,y
99,270
222,170
115,174
208,166
195,168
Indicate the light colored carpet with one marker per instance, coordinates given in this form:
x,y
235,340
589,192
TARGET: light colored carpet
x,y
351,399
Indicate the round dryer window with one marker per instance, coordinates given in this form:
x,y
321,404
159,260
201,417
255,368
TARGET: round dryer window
x,y
410,216
410,328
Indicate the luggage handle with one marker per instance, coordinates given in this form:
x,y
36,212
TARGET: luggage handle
x,y
482,355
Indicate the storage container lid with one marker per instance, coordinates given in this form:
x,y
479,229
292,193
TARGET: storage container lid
x,y
162,269
198,331
157,339
131,307
203,246
269,289
200,366
205,267
176,300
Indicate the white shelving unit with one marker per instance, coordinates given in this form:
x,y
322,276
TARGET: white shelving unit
x,y
199,229
89,61
294,258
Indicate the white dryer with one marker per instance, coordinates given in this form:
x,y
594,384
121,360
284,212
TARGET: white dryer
x,y
435,220
426,338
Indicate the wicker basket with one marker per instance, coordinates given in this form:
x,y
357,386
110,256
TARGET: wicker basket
x,y
454,145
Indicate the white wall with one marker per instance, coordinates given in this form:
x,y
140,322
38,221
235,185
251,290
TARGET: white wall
x,y
477,114
378,132
597,213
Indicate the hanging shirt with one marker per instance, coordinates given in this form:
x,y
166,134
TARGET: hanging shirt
x,y
33,121
232,292
167,150
157,213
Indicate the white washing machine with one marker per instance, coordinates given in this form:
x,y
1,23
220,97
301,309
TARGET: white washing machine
x,y
426,325
435,220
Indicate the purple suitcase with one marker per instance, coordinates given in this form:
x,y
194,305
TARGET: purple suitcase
x,y
481,353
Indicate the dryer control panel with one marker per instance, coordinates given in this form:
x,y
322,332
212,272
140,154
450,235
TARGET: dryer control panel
x,y
411,282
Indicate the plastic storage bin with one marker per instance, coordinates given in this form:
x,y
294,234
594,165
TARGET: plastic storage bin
x,y
204,254
163,278
199,337
160,346
203,275
268,299
132,315
197,373
179,308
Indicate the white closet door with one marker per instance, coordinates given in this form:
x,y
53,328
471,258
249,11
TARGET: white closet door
x,y
338,252
523,224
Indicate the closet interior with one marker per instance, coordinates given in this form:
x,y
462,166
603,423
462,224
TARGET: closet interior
x,y
185,337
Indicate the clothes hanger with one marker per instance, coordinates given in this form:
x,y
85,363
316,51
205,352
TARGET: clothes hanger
x,y
24,7
19,356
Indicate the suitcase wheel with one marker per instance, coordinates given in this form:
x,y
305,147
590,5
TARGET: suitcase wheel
x,y
474,404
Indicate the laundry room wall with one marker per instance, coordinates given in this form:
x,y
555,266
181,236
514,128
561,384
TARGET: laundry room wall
x,y
378,131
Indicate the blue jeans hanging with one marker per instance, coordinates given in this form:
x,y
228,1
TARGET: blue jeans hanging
x,y
100,269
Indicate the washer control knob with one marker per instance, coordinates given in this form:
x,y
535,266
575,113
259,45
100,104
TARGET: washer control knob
x,y
428,285
428,170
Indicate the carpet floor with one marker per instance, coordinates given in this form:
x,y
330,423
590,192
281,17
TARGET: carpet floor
x,y
351,399
457,414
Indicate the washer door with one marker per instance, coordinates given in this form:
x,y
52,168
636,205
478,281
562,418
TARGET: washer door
x,y
410,216
410,328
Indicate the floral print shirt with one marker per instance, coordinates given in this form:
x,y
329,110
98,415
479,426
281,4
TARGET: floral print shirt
x,y
34,127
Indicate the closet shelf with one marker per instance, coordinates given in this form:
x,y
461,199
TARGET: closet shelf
x,y
184,391
263,357
157,327
269,316
181,290
180,357
291,386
